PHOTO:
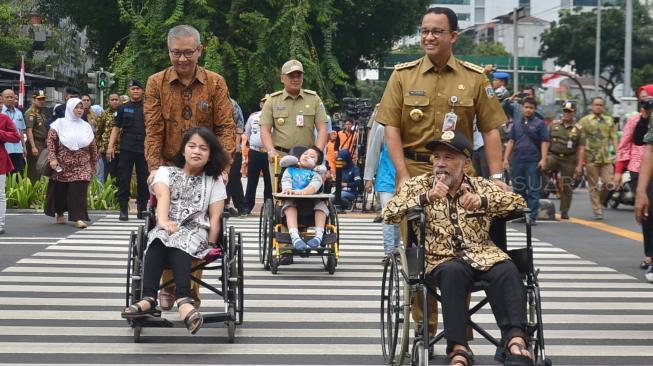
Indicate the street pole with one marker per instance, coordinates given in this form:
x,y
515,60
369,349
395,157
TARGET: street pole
x,y
515,57
629,47
597,55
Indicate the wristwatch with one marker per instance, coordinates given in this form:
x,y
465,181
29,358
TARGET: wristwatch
x,y
498,176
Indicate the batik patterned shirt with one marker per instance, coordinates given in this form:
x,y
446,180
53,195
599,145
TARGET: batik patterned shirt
x,y
451,230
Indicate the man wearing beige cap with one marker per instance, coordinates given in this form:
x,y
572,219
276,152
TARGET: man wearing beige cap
x,y
36,133
294,113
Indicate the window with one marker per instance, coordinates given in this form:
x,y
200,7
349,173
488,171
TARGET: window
x,y
520,42
463,16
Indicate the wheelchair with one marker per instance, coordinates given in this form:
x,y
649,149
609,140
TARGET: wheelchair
x,y
403,276
274,239
228,259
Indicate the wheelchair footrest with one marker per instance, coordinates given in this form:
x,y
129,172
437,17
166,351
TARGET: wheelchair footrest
x,y
216,317
327,239
149,321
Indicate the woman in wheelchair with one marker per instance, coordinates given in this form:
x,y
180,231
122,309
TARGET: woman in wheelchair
x,y
302,178
458,249
190,200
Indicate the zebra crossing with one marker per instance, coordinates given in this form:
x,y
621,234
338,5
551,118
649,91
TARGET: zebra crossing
x,y
61,306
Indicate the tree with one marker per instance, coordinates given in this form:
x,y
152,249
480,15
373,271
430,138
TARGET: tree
x,y
101,19
490,49
572,41
247,41
12,42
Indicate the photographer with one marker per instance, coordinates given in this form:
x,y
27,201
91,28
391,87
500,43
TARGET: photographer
x,y
629,157
512,105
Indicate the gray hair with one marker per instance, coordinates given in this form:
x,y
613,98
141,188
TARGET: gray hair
x,y
183,31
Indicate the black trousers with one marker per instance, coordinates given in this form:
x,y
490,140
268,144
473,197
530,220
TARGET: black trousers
x,y
18,160
480,163
258,162
111,167
129,159
235,186
506,293
158,257
647,225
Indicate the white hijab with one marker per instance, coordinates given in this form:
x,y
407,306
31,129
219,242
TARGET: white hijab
x,y
74,133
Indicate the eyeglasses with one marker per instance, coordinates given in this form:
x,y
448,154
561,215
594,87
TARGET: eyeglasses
x,y
436,32
186,53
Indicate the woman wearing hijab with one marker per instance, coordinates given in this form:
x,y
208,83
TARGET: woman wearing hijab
x,y
73,156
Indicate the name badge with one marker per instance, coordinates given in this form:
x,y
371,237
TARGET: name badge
x,y
300,120
450,120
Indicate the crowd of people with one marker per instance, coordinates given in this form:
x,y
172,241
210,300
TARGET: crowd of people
x,y
451,153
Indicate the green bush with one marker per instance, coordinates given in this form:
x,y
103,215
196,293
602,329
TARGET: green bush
x,y
22,193
102,198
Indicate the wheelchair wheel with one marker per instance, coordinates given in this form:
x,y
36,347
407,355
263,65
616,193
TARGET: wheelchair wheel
x,y
269,234
535,315
395,313
240,298
331,263
262,234
233,283
231,325
137,334
420,356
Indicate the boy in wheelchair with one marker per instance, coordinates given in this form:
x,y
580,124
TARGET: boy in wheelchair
x,y
303,176
190,201
458,249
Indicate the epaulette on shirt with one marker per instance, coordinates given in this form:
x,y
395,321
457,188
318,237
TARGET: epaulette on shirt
x,y
276,93
473,67
312,92
405,65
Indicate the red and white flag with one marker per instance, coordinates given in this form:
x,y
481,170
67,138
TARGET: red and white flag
x,y
21,87
552,80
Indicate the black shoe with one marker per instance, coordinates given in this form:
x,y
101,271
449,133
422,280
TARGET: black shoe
x,y
378,219
141,209
232,211
124,212
564,216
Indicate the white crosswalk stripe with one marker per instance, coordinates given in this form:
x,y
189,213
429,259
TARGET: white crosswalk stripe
x,y
63,303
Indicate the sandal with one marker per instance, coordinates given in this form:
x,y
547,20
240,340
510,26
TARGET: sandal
x,y
136,310
513,359
194,318
646,262
166,298
461,357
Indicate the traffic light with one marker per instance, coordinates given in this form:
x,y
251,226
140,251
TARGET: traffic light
x,y
103,80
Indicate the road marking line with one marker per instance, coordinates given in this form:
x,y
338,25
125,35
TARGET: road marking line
x,y
628,234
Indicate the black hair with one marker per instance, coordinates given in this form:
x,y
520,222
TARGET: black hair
x,y
218,157
320,154
531,88
450,14
529,100
595,98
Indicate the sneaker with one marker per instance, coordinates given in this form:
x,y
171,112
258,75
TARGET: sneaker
x,y
643,265
564,216
598,217
649,274
314,243
299,244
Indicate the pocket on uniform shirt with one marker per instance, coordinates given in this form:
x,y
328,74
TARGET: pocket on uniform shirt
x,y
413,102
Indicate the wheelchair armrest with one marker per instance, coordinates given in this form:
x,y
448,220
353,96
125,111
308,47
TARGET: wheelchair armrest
x,y
516,214
414,213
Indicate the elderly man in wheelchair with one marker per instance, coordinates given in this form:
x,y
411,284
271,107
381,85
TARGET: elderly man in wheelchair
x,y
458,211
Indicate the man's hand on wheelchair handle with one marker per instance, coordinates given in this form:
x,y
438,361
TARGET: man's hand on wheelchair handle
x,y
150,179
